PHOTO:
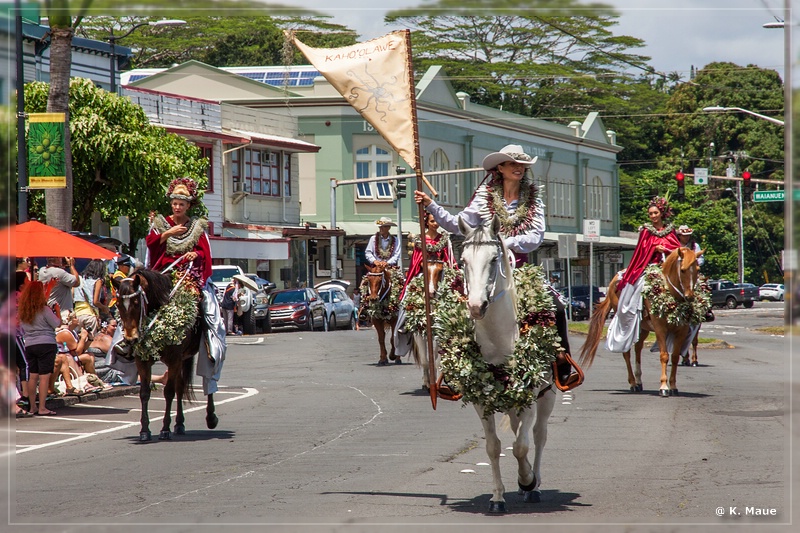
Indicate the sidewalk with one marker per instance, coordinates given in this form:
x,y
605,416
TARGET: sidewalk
x,y
63,401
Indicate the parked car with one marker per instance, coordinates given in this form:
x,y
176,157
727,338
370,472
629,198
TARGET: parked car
x,y
771,291
301,308
340,308
725,293
580,300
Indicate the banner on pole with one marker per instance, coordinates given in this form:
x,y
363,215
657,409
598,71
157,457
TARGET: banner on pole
x,y
375,78
47,166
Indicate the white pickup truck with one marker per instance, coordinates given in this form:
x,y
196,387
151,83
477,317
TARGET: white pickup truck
x,y
253,304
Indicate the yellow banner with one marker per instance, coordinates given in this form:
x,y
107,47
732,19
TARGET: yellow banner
x,y
47,168
375,78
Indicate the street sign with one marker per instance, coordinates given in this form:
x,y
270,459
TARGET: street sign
x,y
567,245
700,176
769,196
591,230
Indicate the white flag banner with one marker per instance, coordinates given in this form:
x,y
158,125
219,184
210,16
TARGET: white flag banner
x,y
375,78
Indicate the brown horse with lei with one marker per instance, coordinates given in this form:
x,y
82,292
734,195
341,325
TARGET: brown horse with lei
x,y
381,302
680,273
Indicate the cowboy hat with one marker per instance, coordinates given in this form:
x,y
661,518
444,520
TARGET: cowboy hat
x,y
511,152
685,230
385,221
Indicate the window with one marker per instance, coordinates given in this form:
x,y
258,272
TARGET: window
x,y
595,199
207,151
561,199
439,162
261,171
373,162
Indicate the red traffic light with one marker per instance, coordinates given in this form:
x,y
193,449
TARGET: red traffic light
x,y
746,176
679,176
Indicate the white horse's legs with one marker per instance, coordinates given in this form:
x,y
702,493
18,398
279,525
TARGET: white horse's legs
x,y
421,357
544,408
522,444
498,502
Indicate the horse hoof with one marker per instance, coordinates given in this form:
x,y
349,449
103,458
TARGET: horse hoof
x,y
532,496
497,507
383,362
393,357
637,388
164,435
694,363
673,392
664,393
145,436
212,421
180,429
398,361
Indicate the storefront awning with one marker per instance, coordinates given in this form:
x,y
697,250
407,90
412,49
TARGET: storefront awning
x,y
285,143
240,248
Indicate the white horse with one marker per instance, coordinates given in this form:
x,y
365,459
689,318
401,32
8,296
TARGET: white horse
x,y
492,303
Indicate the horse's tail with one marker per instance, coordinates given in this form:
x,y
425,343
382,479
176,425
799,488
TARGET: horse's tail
x,y
596,324
415,351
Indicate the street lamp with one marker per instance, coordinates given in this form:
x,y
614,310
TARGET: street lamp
x,y
717,109
112,39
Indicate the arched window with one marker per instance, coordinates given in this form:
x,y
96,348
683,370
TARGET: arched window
x,y
440,161
372,162
594,199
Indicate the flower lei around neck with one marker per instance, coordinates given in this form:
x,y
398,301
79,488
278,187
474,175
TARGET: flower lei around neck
x,y
524,216
183,243
501,388
666,230
664,305
382,252
434,248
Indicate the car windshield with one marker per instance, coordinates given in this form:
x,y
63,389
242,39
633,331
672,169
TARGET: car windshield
x,y
221,275
288,297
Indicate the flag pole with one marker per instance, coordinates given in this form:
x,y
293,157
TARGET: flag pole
x,y
426,275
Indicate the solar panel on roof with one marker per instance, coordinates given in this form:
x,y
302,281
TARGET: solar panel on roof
x,y
134,77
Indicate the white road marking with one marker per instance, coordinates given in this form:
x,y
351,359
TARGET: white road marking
x,y
242,342
49,433
122,425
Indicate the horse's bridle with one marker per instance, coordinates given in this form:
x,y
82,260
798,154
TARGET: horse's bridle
x,y
142,301
680,290
498,244
381,292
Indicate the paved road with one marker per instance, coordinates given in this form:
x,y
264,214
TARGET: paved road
x,y
312,431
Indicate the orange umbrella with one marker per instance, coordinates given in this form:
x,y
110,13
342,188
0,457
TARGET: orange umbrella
x,y
34,239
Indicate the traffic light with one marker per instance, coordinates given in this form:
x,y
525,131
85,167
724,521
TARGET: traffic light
x,y
312,247
680,178
400,188
747,185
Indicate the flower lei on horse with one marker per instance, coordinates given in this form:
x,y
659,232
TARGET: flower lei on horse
x,y
385,308
663,304
498,388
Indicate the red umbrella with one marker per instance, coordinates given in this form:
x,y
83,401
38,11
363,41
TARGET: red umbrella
x,y
34,239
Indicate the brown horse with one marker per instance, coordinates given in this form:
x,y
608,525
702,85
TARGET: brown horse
x,y
146,292
680,272
381,309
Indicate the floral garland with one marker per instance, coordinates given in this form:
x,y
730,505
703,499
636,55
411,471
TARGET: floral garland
x,y
184,243
174,320
664,305
384,253
524,216
435,248
666,230
387,308
513,384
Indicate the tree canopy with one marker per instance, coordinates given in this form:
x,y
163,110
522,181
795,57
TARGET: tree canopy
x,y
121,163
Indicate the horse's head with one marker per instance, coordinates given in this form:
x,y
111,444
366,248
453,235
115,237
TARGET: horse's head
x,y
435,268
379,282
681,271
486,265
132,304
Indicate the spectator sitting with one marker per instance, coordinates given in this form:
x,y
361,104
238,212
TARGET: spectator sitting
x,y
88,296
71,339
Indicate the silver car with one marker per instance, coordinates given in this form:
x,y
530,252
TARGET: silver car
x,y
340,308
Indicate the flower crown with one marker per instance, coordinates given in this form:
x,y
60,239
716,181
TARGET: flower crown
x,y
183,189
662,205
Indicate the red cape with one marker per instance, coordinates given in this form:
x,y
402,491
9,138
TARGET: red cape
x,y
159,259
416,260
646,254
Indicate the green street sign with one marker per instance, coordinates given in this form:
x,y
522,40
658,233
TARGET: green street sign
x,y
769,196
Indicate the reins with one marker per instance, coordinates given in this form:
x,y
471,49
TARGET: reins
x,y
680,290
381,292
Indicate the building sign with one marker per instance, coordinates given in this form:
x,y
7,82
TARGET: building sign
x,y
47,165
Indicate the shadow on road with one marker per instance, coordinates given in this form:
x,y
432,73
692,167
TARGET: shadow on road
x,y
191,436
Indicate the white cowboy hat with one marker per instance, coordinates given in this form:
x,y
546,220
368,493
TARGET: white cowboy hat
x,y
511,152
685,230
385,221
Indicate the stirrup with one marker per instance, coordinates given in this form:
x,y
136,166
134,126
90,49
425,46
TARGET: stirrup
x,y
575,379
445,392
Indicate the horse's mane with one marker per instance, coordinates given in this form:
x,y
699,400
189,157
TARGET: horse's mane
x,y
157,288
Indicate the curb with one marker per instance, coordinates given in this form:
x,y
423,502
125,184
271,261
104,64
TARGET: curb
x,y
64,401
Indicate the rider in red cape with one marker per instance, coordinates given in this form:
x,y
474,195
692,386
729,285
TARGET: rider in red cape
x,y
656,240
439,249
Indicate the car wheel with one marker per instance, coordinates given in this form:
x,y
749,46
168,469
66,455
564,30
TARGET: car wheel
x,y
353,321
249,322
310,321
748,305
731,302
331,323
781,298
267,325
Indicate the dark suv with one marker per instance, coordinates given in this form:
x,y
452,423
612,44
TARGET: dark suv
x,y
302,308
580,300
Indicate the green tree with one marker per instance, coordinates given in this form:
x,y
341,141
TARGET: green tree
x,y
122,163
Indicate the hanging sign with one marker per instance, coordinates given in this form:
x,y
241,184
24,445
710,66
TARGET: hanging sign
x,y
47,166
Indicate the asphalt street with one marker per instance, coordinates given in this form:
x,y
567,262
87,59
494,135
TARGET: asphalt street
x,y
313,432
